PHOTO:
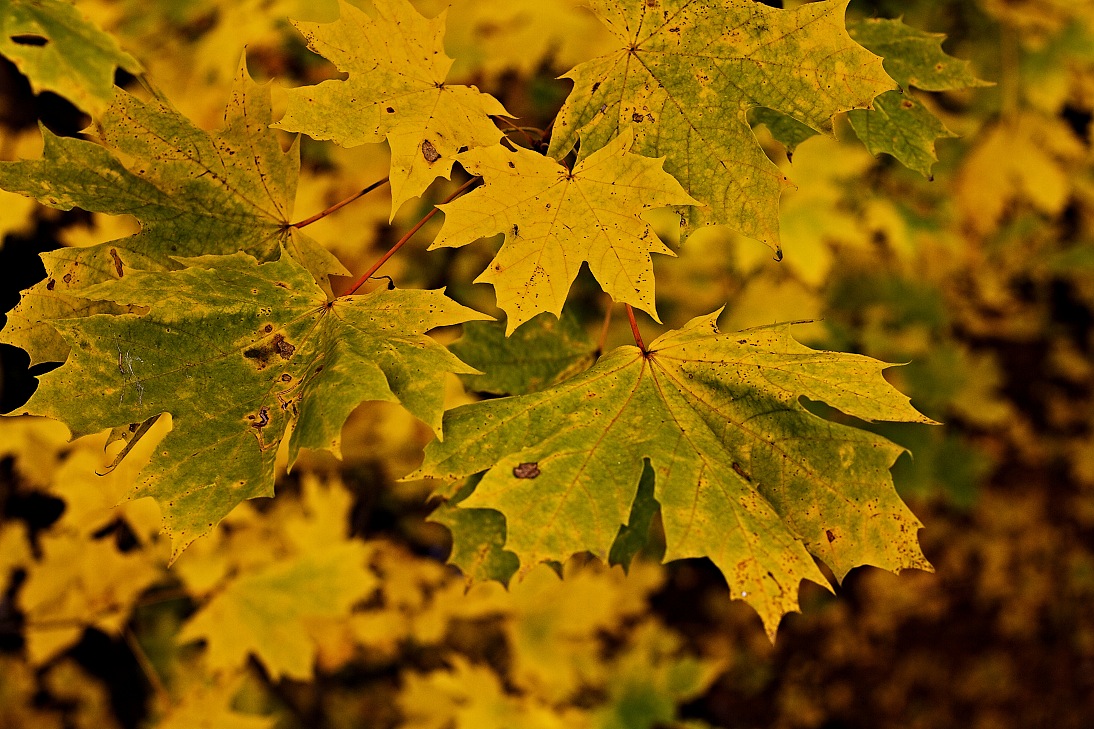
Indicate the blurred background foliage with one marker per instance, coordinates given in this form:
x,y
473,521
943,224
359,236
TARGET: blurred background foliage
x,y
331,605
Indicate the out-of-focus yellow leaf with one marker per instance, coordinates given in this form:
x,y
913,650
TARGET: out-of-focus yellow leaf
x,y
79,583
1021,159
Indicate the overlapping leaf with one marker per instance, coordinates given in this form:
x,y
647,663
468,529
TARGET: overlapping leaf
x,y
744,474
687,73
541,353
899,124
239,352
195,193
395,91
61,51
555,219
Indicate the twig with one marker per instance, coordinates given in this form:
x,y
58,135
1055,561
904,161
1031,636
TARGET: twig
x,y
402,241
522,130
339,205
146,666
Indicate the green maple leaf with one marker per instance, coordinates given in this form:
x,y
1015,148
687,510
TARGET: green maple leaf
x,y
240,353
899,124
194,193
744,474
396,91
685,77
541,353
59,50
555,219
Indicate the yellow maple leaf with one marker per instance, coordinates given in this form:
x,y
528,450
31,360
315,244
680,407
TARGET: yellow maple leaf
x,y
555,219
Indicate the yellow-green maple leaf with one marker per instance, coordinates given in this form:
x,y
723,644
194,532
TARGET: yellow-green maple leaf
x,y
555,219
395,91
195,193
266,613
687,73
744,474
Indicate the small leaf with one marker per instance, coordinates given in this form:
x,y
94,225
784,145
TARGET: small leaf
x,y
60,50
555,219
396,91
898,124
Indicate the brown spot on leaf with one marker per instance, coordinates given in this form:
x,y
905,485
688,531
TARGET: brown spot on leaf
x,y
390,110
50,284
906,104
430,152
262,354
268,328
831,537
67,278
286,377
526,470
741,472
117,262
636,117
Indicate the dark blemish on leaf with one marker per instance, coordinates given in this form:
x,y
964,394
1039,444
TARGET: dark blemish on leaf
x,y
831,537
526,470
117,262
512,166
906,104
282,284
596,86
67,278
283,348
516,230
29,39
50,284
390,110
741,472
318,369
263,418
286,377
636,117
262,354
133,427
430,152
268,328
675,30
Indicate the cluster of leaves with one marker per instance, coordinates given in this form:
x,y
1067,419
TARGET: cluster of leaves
x,y
711,444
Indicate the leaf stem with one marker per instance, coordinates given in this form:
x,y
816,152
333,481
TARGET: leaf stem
x,y
402,241
523,130
604,329
634,329
339,205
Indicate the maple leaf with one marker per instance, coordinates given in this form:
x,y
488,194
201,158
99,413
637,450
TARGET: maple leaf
x,y
266,613
541,353
899,124
744,474
238,352
687,73
396,91
59,50
555,219
194,193
77,583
